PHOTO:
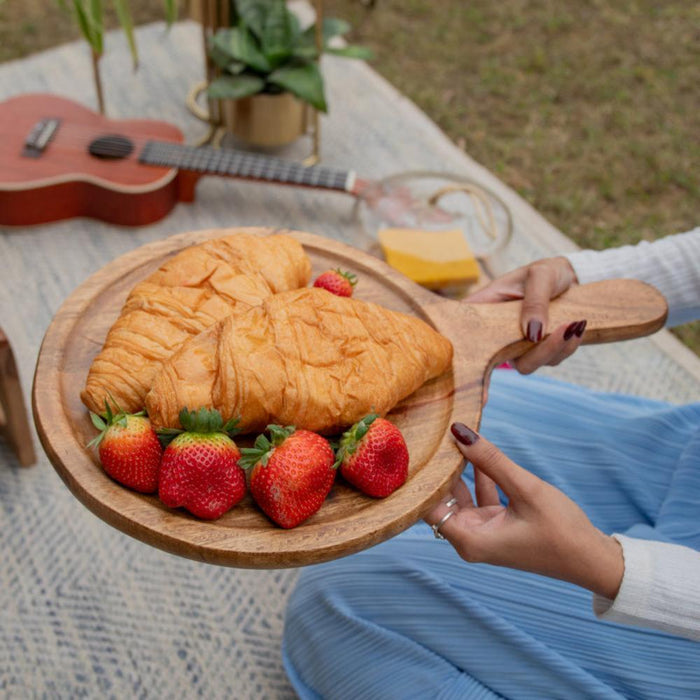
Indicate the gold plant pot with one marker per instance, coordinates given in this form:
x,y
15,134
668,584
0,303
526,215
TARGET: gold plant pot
x,y
257,125
266,120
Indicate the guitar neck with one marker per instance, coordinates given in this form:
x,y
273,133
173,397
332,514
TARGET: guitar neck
x,y
207,160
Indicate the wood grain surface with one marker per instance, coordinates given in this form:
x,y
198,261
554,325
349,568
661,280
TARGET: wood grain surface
x,y
483,335
14,424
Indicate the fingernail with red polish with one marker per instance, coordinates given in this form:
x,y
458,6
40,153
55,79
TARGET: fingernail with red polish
x,y
463,434
580,328
571,329
534,331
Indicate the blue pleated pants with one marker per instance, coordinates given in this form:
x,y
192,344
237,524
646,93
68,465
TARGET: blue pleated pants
x,y
410,619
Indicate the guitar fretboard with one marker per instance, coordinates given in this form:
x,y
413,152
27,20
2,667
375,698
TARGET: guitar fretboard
x,y
227,161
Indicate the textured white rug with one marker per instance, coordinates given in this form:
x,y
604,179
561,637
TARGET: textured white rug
x,y
85,611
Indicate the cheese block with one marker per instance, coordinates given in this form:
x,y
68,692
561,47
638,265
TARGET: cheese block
x,y
434,259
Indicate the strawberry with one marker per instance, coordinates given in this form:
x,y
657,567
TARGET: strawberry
x,y
200,470
373,456
291,474
337,282
128,448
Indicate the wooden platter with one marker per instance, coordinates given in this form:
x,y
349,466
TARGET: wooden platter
x,y
483,335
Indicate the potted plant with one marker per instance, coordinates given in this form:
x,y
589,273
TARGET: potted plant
x,y
269,73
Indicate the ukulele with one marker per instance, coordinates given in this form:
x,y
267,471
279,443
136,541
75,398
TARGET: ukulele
x,y
60,160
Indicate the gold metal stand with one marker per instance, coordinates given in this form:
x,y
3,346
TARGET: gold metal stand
x,y
315,119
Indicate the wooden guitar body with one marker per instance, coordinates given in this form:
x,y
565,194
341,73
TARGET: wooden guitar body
x,y
59,160
65,180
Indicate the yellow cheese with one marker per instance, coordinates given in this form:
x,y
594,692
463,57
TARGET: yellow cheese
x,y
435,259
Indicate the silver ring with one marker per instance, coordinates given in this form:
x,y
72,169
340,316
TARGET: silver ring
x,y
451,502
443,520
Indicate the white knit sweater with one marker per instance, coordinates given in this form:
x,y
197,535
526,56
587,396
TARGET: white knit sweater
x,y
661,583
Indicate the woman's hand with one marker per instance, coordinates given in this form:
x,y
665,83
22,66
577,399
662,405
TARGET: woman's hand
x,y
536,285
540,530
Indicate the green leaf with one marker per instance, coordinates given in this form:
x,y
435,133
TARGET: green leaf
x,y
97,20
170,431
262,443
358,52
332,27
97,421
260,452
235,67
116,405
122,9
233,87
230,427
243,46
352,278
108,412
95,442
350,439
87,26
252,14
280,32
217,53
203,420
279,434
170,11
167,435
240,45
306,53
206,420
304,81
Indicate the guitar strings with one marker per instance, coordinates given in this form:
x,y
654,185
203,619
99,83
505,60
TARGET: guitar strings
x,y
72,135
204,159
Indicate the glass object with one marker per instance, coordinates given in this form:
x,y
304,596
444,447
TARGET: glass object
x,y
434,201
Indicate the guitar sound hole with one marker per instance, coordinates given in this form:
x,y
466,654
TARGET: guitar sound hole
x,y
111,147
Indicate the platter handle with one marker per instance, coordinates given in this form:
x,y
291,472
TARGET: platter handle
x,y
619,309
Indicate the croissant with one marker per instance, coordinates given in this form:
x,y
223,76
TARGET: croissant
x,y
306,358
188,293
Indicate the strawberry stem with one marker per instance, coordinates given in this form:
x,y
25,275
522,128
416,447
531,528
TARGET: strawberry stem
x,y
263,448
279,434
203,421
349,276
352,437
98,421
109,418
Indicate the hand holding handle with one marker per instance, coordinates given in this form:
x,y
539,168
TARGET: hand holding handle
x,y
615,310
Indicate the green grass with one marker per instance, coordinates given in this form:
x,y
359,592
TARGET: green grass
x,y
588,109
28,26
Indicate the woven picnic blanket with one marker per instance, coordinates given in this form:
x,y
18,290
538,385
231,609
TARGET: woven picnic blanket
x,y
86,611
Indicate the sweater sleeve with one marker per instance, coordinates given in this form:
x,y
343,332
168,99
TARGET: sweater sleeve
x,y
671,264
660,588
661,584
